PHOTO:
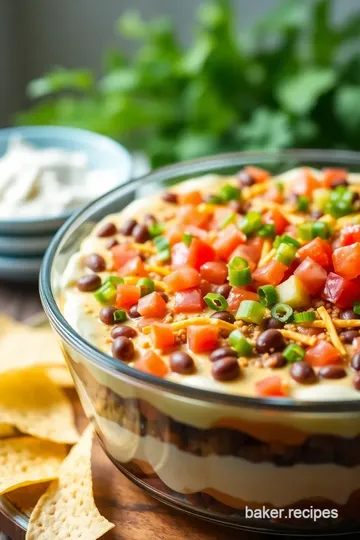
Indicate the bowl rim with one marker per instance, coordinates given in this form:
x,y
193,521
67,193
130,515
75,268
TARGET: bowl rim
x,y
107,363
52,130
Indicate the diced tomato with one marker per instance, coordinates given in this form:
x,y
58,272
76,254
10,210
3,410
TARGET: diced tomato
x,y
256,243
196,231
127,295
270,387
152,305
190,301
276,217
151,363
332,175
189,214
214,271
272,272
202,338
341,291
134,267
228,239
346,261
318,250
162,336
195,255
174,234
191,197
305,183
349,235
247,253
221,213
312,275
322,354
237,295
257,174
274,195
182,279
122,253
205,287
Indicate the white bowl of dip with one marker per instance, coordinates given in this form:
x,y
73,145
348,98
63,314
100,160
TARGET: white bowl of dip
x,y
48,172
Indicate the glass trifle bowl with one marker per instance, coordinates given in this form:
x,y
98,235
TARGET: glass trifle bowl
x,y
271,464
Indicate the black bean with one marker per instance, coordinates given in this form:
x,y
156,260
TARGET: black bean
x,y
149,219
224,290
95,262
317,214
108,229
90,282
277,360
303,373
133,312
107,315
349,314
349,335
225,369
270,340
245,179
236,206
111,243
140,233
355,361
126,331
272,323
128,227
223,316
123,349
332,372
356,381
181,362
164,296
170,197
222,352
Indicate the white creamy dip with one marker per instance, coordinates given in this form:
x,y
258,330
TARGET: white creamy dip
x,y
38,182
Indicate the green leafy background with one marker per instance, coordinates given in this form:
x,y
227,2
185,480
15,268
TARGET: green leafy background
x,y
292,80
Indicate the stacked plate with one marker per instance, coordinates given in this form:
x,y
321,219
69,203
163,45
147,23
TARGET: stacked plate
x,y
23,241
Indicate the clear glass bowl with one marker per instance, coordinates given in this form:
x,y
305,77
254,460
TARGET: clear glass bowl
x,y
214,455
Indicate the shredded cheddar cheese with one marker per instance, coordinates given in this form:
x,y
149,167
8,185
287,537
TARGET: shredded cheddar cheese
x,y
267,258
338,323
132,280
196,321
332,330
161,270
144,248
267,245
301,338
347,220
256,189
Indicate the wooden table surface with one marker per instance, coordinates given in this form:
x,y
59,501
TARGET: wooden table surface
x,y
136,515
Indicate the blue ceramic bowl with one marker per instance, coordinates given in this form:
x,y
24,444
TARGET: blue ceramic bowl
x,y
102,152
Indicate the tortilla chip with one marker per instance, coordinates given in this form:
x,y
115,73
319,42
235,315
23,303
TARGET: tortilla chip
x,y
24,499
25,460
60,376
33,404
23,348
67,508
7,431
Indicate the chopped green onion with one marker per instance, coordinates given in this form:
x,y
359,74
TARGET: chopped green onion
x,y
340,203
294,353
239,271
285,254
106,293
285,239
146,285
227,221
229,193
240,343
187,238
162,245
268,295
216,301
114,280
356,308
302,204
309,231
304,316
267,230
120,315
214,199
155,229
280,187
251,222
251,311
282,312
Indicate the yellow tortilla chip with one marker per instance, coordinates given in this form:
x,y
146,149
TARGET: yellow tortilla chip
x,y
6,431
25,460
60,376
67,509
24,499
32,403
23,348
